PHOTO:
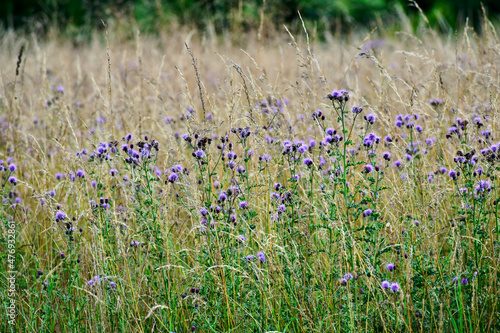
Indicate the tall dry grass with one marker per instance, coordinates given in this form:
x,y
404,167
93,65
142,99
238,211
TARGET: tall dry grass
x,y
147,259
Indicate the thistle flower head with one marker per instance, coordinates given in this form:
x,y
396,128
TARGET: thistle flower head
x,y
199,154
357,109
60,216
173,177
240,169
395,287
370,118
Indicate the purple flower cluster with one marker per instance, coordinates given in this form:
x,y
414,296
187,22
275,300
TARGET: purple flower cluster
x,y
435,102
340,96
268,106
408,121
347,277
394,287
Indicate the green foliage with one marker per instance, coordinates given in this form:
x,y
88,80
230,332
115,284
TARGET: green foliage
x,y
151,15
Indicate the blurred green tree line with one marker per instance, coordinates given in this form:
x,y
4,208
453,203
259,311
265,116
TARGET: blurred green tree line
x,y
225,14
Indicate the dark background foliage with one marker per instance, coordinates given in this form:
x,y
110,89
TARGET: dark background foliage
x,y
225,14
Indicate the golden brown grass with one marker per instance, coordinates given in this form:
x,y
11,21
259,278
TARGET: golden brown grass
x,y
134,85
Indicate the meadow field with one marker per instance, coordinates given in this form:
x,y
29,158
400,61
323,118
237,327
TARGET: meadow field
x,y
251,182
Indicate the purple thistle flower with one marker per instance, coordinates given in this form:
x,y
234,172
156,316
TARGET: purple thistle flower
x,y
387,156
262,257
203,211
348,276
369,168
199,154
281,208
390,267
330,131
13,180
243,204
63,256
465,281
395,287
367,212
453,174
343,281
435,102
93,183
241,238
113,172
443,170
386,284
275,196
307,161
240,169
173,177
223,196
357,109
12,167
367,142
250,257
302,149
80,173
60,216
370,118
129,137
177,168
